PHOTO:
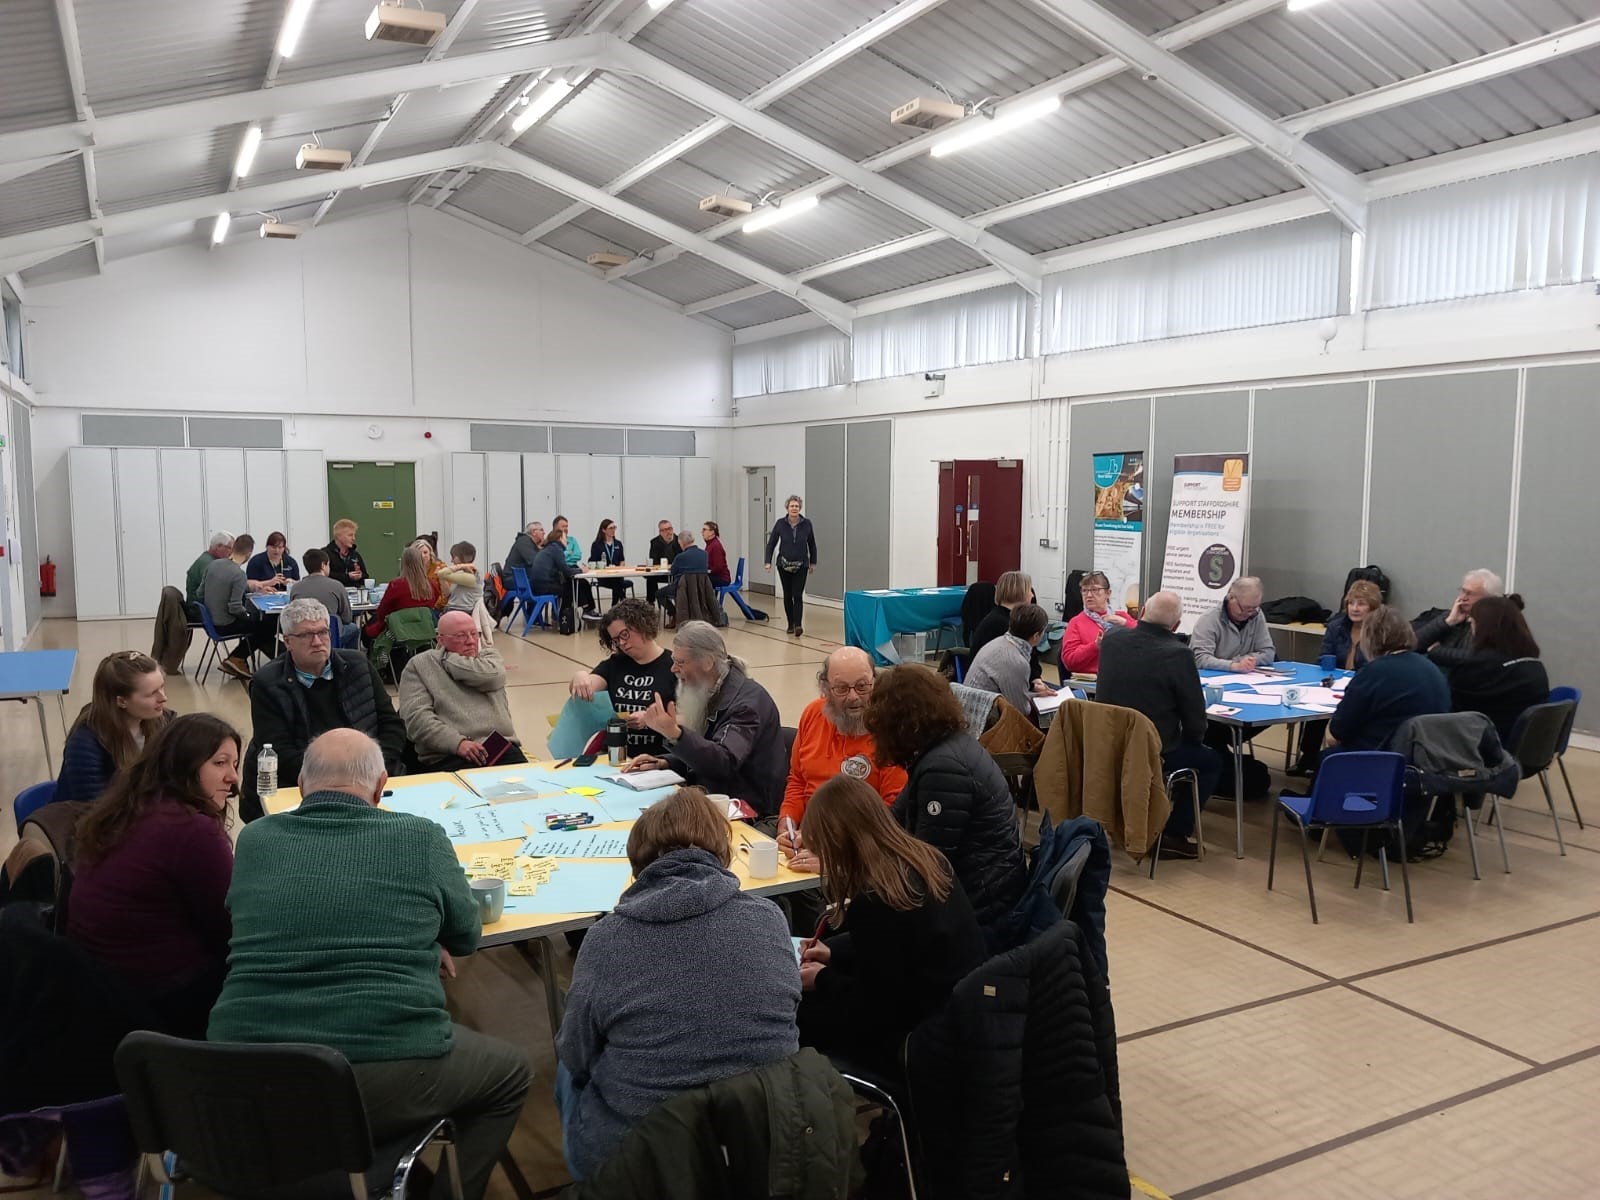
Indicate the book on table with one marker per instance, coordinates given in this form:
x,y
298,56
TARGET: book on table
x,y
646,781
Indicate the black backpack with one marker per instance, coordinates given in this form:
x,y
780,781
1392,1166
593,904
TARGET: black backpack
x,y
1072,604
1291,610
1373,573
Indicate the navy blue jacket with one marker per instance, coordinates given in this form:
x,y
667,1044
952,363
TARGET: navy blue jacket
x,y
551,574
1383,696
86,766
796,543
1336,641
612,557
259,568
691,560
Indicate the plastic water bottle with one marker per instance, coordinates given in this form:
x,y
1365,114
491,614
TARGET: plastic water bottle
x,y
267,771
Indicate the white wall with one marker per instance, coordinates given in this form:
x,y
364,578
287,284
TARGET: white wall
x,y
12,577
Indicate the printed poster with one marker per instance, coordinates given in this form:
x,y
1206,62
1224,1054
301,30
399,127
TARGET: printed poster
x,y
1119,524
1205,530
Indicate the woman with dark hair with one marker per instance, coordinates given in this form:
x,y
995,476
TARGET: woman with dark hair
x,y
274,565
637,671
1080,644
903,930
1498,673
154,862
127,709
955,797
1341,640
716,554
688,981
795,543
606,549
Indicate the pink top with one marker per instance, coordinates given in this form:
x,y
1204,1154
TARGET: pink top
x,y
1080,645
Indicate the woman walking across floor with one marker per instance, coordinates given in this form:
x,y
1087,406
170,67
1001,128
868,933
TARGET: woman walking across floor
x,y
796,546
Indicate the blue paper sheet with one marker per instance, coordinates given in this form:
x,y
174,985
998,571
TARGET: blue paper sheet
x,y
579,721
576,843
576,887
552,789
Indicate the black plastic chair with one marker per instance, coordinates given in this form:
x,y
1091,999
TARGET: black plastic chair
x,y
1536,739
263,1122
1576,696
1064,883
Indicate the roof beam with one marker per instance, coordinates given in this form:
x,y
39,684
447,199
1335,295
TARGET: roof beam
x,y
1222,17
797,77
67,21
1014,261
268,196
197,116
835,312
1337,185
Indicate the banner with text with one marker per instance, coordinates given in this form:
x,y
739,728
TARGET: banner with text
x,y
1119,525
1205,530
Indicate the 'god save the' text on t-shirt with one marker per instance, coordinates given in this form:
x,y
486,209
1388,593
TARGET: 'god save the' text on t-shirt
x,y
633,687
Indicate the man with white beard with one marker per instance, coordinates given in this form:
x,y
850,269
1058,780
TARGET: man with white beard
x,y
833,740
723,732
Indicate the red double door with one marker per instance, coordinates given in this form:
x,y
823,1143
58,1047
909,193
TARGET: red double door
x,y
980,519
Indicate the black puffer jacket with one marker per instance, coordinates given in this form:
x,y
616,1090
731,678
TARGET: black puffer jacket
x,y
1014,1086
956,800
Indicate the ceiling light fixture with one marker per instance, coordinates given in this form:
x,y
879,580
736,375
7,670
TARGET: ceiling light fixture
x,y
539,107
775,212
391,21
220,229
294,24
247,152
1297,5
983,128
658,5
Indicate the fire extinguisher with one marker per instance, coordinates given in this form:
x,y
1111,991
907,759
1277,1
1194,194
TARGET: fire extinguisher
x,y
47,577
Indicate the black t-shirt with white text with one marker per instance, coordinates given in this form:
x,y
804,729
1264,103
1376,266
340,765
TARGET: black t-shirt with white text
x,y
633,687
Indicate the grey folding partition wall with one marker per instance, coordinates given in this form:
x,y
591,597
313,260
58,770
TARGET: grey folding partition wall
x,y
1307,471
866,504
1194,424
1558,525
825,497
1442,448
1107,428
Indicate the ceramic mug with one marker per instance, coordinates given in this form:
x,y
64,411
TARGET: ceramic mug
x,y
1293,695
491,897
1213,693
761,857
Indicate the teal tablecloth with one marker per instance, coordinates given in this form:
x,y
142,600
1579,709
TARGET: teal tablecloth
x,y
872,618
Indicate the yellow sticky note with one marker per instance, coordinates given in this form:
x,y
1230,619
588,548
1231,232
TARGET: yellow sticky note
x,y
482,862
584,791
524,888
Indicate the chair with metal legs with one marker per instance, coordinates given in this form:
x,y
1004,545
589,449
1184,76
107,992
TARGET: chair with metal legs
x,y
1576,696
1187,776
1534,743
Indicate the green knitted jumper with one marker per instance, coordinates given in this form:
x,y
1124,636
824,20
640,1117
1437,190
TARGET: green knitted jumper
x,y
339,910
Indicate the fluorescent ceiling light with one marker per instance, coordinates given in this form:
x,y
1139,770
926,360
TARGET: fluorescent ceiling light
x,y
775,213
547,98
658,5
294,24
1297,5
247,151
220,229
981,129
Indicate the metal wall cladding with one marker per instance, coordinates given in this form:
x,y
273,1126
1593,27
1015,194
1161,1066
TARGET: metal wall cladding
x,y
609,125
141,55
132,177
758,310
674,192
75,264
507,200
34,86
689,278
593,231
434,120
53,195
900,271
844,222
502,24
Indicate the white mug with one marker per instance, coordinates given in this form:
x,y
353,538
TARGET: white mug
x,y
1292,695
661,562
762,856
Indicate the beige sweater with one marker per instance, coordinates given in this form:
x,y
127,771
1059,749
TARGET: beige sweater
x,y
445,697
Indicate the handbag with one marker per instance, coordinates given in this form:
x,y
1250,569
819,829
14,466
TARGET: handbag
x,y
789,565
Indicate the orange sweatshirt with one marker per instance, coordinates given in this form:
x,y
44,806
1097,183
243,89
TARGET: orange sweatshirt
x,y
819,749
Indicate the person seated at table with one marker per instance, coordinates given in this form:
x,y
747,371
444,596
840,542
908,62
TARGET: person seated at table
x,y
414,587
832,739
427,545
453,699
153,864
313,688
663,549
522,553
1234,635
1080,644
637,670
345,918
723,732
606,549
716,554
344,560
690,560
1499,674
1004,664
955,797
224,591
273,566
127,708
688,981
1450,629
1342,642
903,932
552,572
221,546
1149,670
1396,684
1011,589
318,584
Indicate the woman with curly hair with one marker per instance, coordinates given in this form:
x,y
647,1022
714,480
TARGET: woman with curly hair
x,y
955,797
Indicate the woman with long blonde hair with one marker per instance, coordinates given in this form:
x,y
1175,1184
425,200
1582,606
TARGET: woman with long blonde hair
x,y
127,708
902,930
412,588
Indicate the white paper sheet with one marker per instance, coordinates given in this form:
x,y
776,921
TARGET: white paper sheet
x,y
1046,704
1221,710
1343,682
1243,680
1321,708
1242,697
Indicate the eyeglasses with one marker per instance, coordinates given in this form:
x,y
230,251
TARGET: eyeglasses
x,y
313,635
841,690
620,636
1090,589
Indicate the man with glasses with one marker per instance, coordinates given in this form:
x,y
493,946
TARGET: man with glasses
x,y
637,671
453,700
312,689
833,740
1234,635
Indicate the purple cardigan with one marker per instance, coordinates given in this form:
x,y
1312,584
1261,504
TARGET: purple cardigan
x,y
154,908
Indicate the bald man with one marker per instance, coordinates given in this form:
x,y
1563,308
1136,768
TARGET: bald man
x,y
833,740
453,698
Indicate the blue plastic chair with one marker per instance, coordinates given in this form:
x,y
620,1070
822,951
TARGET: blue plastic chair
x,y
211,654
1557,695
1356,789
521,594
31,799
535,608
736,590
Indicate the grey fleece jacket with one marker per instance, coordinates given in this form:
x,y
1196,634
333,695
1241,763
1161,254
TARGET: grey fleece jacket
x,y
445,697
1218,643
689,981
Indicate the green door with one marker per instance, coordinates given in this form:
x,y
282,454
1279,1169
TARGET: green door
x,y
381,498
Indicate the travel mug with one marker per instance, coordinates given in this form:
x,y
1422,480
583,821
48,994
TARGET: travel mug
x,y
616,740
